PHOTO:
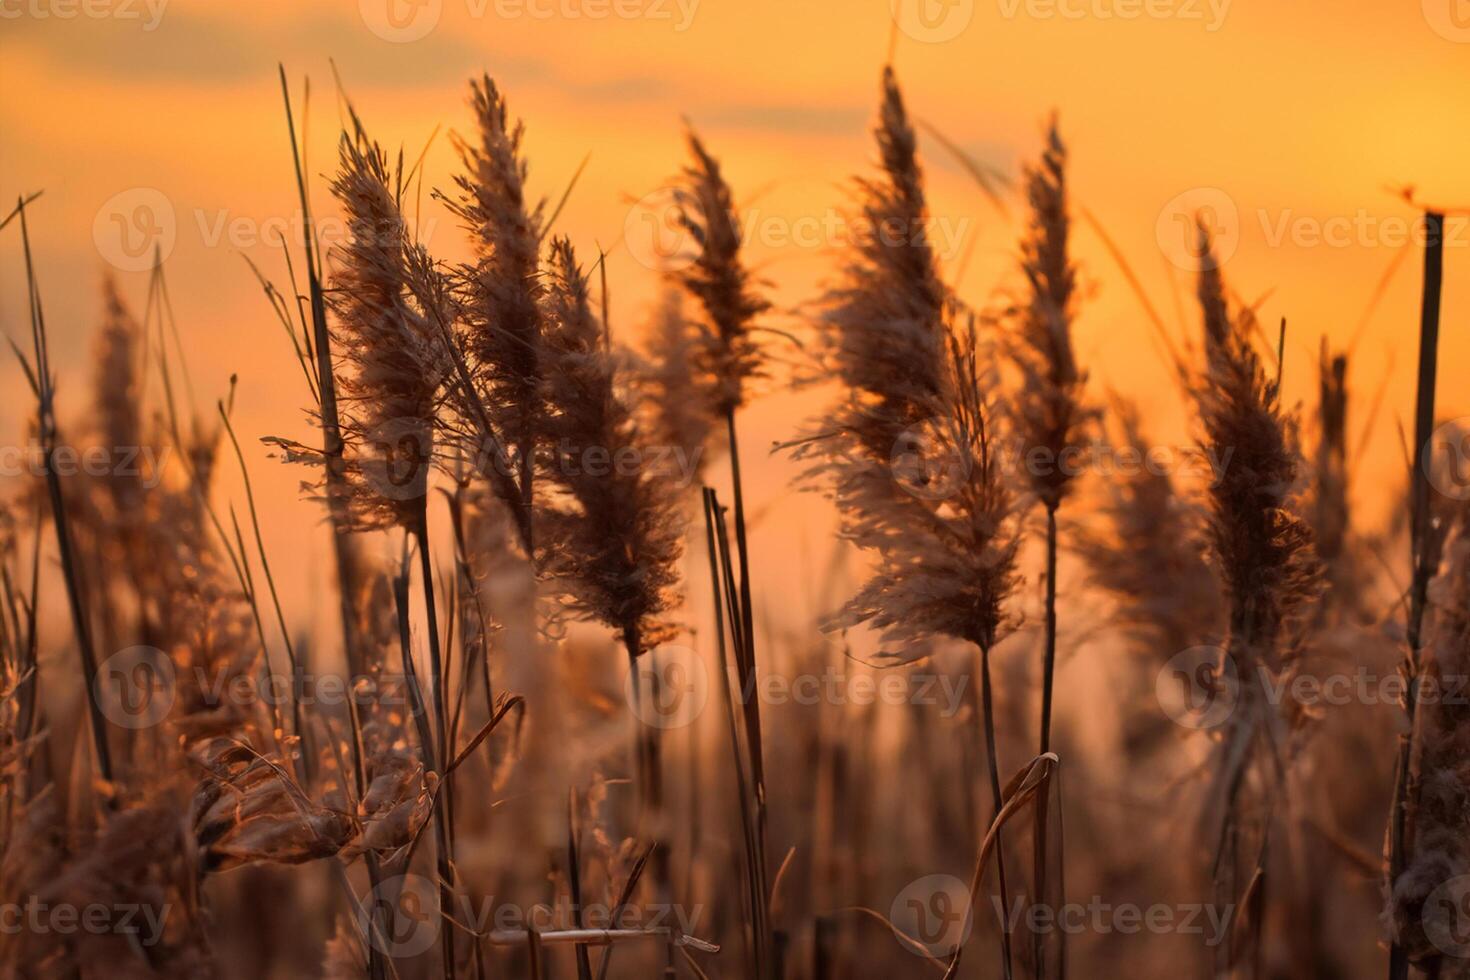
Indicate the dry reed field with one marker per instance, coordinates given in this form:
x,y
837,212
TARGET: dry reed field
x,y
1058,697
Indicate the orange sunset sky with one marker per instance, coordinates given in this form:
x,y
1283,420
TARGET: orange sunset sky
x,y
1293,123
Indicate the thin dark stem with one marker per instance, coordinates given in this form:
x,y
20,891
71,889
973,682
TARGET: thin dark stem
x,y
47,423
1399,828
750,702
754,738
325,391
270,581
331,427
742,552
1050,661
987,722
753,854
1048,681
444,813
528,471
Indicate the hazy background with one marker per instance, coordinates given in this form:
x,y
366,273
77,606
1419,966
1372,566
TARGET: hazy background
x,y
1302,119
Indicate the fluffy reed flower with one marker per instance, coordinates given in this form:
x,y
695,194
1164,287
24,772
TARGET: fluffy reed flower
x,y
1148,552
1329,510
882,325
32,854
726,354
118,393
500,293
388,305
1048,405
909,453
613,541
1440,848
214,648
1263,549
17,687
679,412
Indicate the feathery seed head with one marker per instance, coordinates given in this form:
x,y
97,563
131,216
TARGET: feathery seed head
x,y
1048,407
500,288
918,384
680,412
612,540
727,355
390,343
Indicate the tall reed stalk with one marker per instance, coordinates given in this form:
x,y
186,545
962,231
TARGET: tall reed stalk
x,y
388,298
909,454
612,538
1400,830
39,374
727,358
1264,554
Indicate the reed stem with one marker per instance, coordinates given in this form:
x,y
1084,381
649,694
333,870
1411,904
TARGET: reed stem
x,y
1399,824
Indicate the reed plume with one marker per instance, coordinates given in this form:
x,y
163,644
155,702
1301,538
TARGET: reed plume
x,y
727,356
911,456
118,386
1049,408
1263,549
500,304
1147,552
1330,512
680,415
392,365
613,539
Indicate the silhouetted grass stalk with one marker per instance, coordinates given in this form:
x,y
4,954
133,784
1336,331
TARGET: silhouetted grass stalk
x,y
1400,828
41,385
